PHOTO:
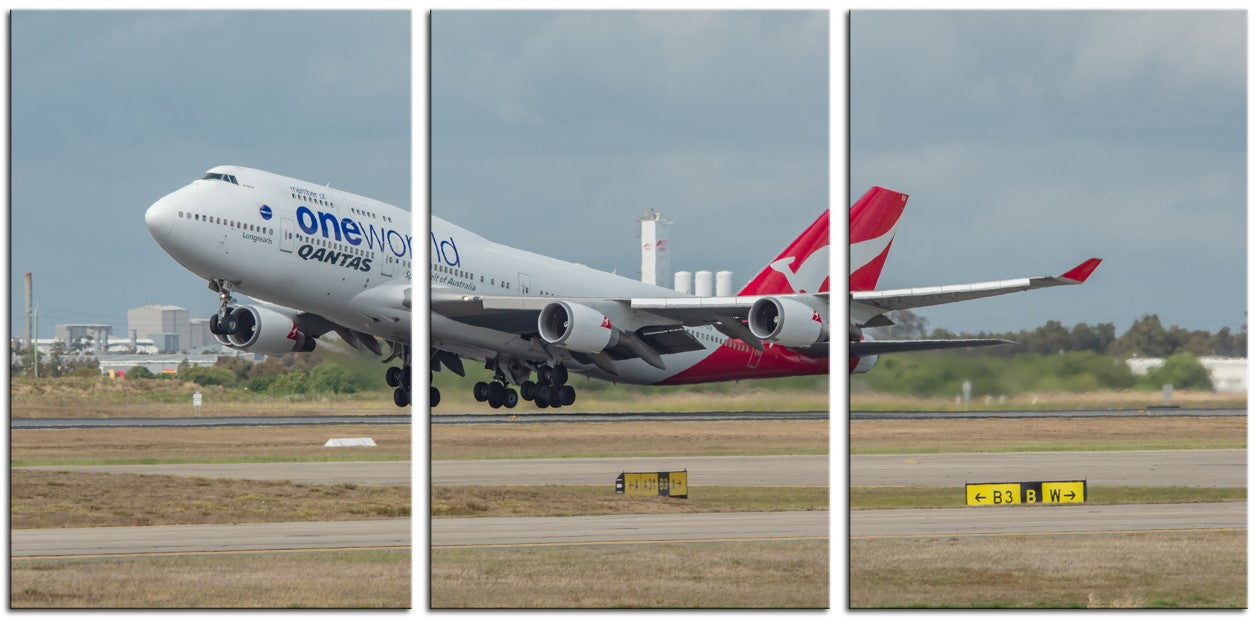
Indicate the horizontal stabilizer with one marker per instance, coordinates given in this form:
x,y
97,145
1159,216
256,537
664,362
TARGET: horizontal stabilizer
x,y
873,348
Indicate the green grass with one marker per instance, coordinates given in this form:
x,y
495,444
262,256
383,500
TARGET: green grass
x,y
568,500
930,497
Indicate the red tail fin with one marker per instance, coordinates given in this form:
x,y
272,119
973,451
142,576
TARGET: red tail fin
x,y
803,267
873,221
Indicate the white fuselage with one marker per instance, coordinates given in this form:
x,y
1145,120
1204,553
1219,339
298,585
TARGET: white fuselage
x,y
293,243
465,262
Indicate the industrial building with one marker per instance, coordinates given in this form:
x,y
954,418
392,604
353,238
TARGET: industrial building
x,y
166,325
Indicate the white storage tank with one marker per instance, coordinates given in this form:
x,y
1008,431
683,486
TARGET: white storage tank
x,y
724,283
703,285
683,281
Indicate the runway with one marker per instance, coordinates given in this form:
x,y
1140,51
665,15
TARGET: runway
x,y
211,538
516,418
754,470
1042,520
1203,468
322,472
622,529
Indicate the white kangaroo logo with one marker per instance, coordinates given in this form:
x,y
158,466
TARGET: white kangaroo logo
x,y
815,269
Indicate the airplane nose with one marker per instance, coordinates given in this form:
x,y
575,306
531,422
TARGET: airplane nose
x,y
160,218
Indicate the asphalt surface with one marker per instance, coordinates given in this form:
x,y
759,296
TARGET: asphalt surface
x,y
332,472
211,538
1045,519
618,529
1202,468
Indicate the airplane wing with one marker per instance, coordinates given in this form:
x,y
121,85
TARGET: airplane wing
x,y
873,348
867,307
656,323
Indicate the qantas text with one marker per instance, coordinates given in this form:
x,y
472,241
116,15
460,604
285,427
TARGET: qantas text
x,y
343,259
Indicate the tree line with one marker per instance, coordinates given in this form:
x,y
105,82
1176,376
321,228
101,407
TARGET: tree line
x,y
1146,338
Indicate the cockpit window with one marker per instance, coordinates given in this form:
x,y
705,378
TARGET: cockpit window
x,y
220,177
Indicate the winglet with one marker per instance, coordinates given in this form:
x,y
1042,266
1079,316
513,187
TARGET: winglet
x,y
1083,271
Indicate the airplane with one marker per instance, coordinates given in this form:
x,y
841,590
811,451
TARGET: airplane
x,y
873,220
314,260
523,313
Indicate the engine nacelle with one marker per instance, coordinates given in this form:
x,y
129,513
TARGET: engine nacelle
x,y
788,322
576,327
264,331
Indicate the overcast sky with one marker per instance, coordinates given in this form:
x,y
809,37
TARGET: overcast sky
x,y
1030,141
554,131
112,110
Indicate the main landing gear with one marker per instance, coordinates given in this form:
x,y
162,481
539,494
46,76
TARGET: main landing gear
x,y
550,389
398,378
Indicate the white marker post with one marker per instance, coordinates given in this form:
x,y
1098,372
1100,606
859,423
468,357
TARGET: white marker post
x,y
196,403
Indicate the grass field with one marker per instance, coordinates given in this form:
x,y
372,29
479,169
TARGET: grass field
x,y
337,579
630,439
48,499
564,500
1195,569
928,497
725,575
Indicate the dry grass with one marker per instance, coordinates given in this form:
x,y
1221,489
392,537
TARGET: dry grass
x,y
630,439
45,499
350,579
204,445
564,500
1203,569
1111,399
1047,434
724,575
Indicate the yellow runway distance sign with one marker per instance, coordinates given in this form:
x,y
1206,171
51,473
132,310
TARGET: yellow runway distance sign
x,y
1031,492
674,484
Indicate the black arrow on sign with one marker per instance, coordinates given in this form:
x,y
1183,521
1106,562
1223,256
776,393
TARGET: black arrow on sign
x,y
1071,495
978,497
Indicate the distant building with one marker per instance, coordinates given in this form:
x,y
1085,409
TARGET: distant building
x,y
156,320
1227,374
88,337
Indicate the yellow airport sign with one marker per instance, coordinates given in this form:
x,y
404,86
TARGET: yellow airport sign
x,y
674,484
1032,492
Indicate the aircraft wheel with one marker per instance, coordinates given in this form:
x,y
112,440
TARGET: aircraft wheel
x,y
480,391
401,397
567,395
228,325
434,396
545,375
559,375
213,325
393,377
528,390
541,403
405,376
510,398
497,393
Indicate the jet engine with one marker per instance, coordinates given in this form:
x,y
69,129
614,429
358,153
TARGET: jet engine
x,y
262,331
788,322
862,364
576,327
